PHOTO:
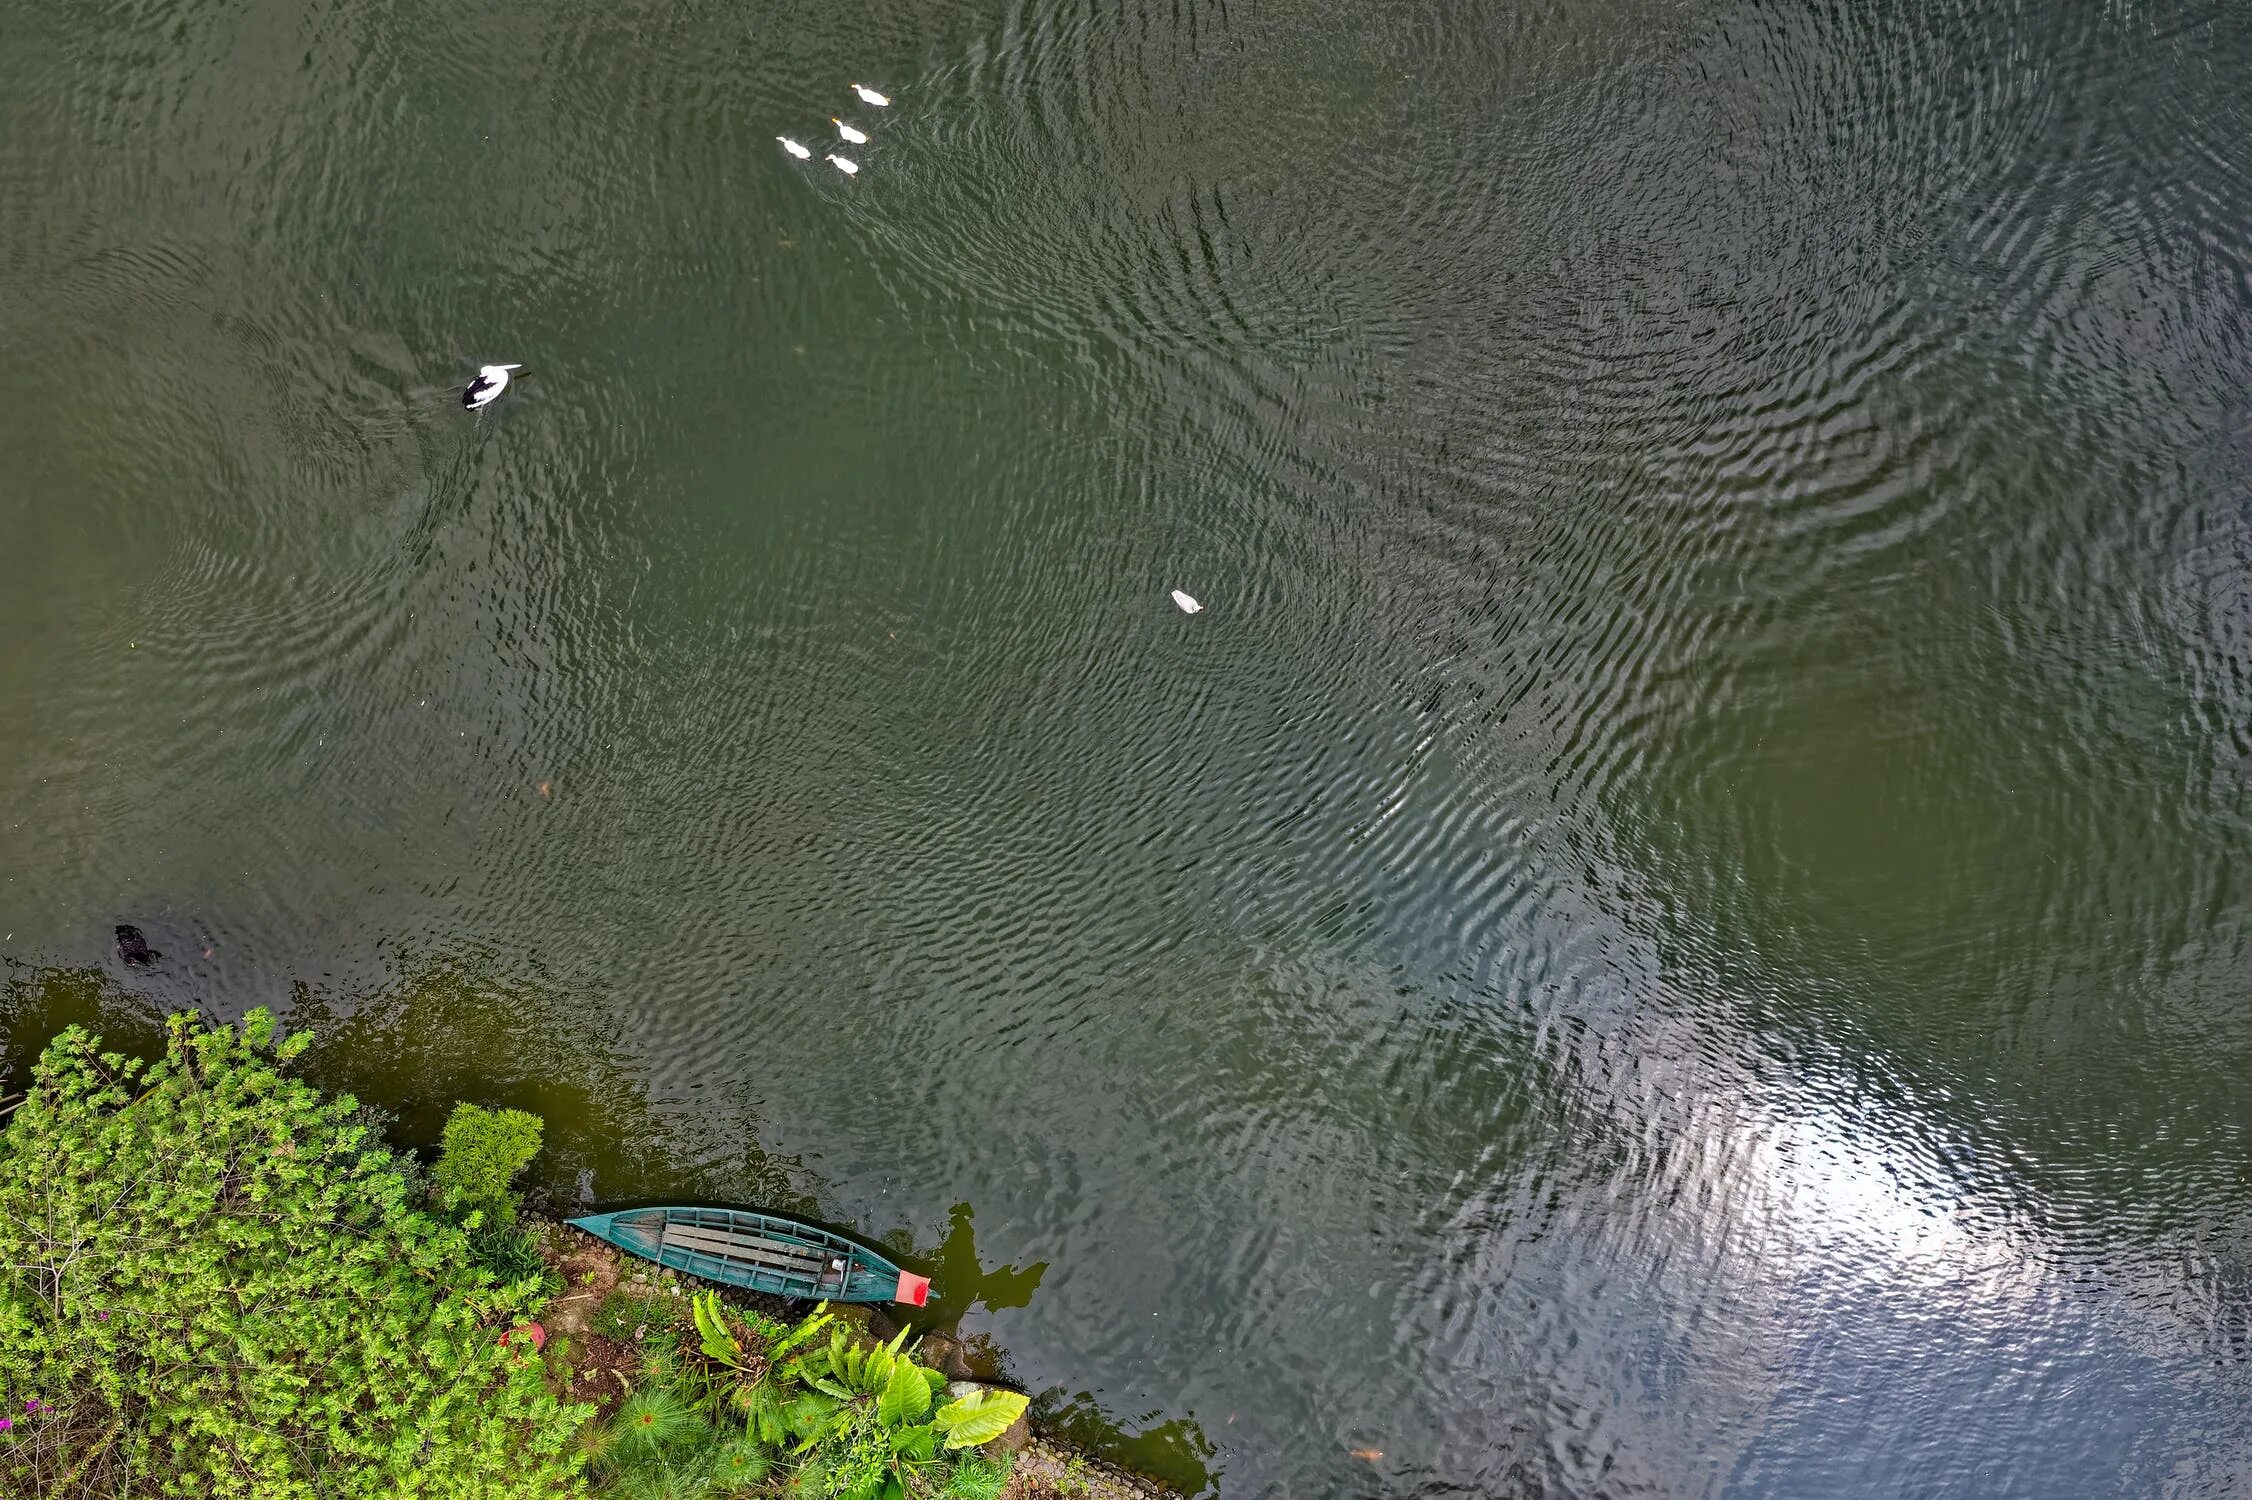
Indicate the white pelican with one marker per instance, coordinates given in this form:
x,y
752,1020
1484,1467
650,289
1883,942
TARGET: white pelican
x,y
486,388
857,137
793,148
1189,606
869,95
846,167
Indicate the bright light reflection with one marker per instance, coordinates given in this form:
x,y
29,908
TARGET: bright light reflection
x,y
1880,1208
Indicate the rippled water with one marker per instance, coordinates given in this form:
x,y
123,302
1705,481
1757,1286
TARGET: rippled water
x,y
1675,927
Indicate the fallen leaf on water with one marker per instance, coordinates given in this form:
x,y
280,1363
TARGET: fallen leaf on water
x,y
1370,1454
545,787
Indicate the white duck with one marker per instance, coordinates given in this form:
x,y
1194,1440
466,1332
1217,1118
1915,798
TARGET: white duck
x,y
1188,603
847,132
794,148
486,388
849,168
869,95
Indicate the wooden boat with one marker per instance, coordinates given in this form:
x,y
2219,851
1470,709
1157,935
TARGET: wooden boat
x,y
763,1252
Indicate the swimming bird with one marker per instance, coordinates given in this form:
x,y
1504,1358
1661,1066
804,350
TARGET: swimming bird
x,y
1189,606
846,167
794,148
134,948
486,388
857,137
869,95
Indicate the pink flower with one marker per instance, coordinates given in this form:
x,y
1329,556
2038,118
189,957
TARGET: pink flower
x,y
30,1405
7,1423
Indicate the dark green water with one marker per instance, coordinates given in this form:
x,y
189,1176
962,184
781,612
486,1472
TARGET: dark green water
x,y
1676,927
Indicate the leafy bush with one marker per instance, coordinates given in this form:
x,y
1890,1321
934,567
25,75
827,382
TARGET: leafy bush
x,y
512,1255
213,1283
655,1446
859,1421
481,1153
980,1478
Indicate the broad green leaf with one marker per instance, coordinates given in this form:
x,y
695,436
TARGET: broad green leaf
x,y
981,1416
718,1340
906,1396
811,1324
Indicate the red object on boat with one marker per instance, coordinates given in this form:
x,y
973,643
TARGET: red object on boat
x,y
532,1331
912,1288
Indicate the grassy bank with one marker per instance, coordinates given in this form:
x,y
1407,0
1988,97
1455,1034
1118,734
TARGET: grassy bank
x,y
215,1280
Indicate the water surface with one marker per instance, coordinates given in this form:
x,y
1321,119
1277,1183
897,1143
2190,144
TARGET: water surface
x,y
1676,926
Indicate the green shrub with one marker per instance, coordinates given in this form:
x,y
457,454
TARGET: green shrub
x,y
862,1421
655,1446
513,1255
980,1478
481,1153
213,1283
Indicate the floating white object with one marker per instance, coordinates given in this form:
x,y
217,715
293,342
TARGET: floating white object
x,y
846,167
794,148
869,95
486,388
857,137
1189,606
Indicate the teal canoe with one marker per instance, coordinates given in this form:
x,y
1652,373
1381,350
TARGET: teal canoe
x,y
763,1252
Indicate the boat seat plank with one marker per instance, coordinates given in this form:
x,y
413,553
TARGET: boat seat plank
x,y
678,1234
806,1263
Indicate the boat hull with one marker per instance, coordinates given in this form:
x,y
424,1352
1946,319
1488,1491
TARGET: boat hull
x,y
758,1252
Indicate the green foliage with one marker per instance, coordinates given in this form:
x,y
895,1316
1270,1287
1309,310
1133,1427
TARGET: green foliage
x,y
805,1330
741,1404
980,1416
765,1413
979,1478
511,1255
630,1315
847,1370
481,1153
906,1396
214,1283
718,1340
653,1420
619,1315
655,1446
739,1463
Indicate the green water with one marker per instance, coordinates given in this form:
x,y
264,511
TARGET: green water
x,y
1676,924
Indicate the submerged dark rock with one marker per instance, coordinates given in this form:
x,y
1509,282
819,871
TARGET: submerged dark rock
x,y
134,948
944,1353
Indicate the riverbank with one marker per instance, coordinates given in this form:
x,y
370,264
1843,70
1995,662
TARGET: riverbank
x,y
618,1318
212,1269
